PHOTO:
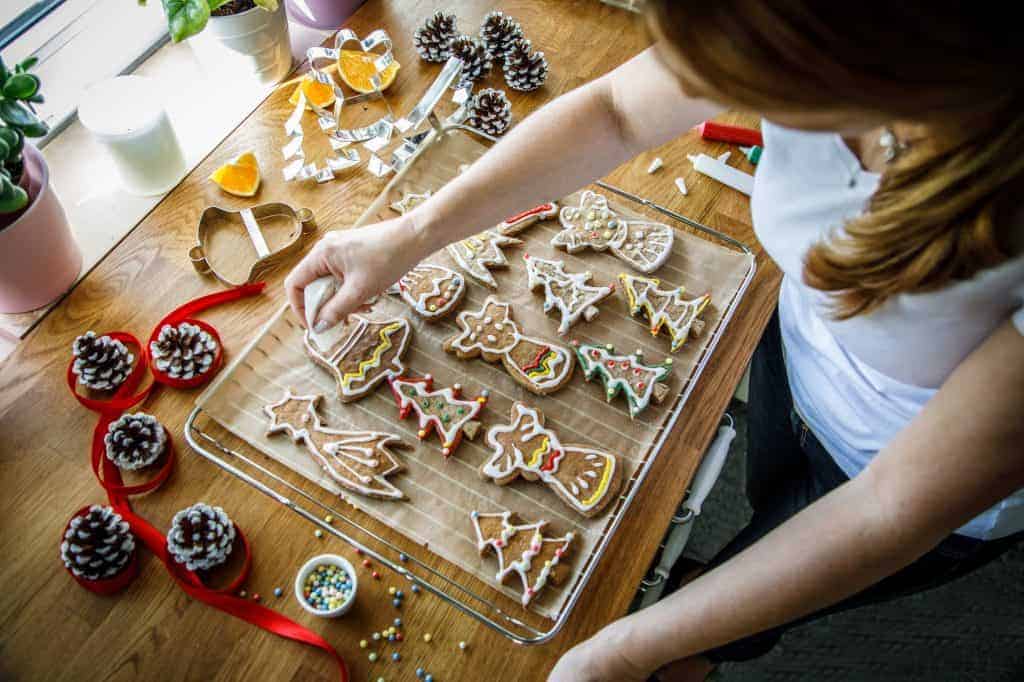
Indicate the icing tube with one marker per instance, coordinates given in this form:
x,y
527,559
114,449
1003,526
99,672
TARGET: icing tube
x,y
709,130
727,175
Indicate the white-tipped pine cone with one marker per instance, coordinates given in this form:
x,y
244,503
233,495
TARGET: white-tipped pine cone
x,y
97,545
201,537
525,70
491,112
434,39
498,32
183,351
476,61
101,363
135,441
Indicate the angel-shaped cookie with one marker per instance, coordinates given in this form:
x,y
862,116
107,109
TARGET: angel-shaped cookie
x,y
432,291
640,381
359,461
566,292
522,550
644,244
492,334
585,478
443,410
367,352
479,253
665,309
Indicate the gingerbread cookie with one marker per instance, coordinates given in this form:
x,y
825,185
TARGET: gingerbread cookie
x,y
645,245
441,410
566,292
665,309
359,461
586,479
522,550
492,334
640,381
409,201
431,290
479,253
366,353
520,221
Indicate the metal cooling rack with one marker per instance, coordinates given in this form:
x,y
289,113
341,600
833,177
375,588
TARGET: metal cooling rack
x,y
460,595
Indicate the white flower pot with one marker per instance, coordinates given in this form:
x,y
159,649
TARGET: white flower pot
x,y
255,42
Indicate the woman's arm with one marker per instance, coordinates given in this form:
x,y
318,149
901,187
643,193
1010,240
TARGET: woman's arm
x,y
960,456
563,146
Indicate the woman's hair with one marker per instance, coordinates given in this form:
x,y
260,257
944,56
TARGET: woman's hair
x,y
941,210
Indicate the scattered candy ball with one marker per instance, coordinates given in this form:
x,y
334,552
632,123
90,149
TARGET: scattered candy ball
x,y
329,519
363,644
376,575
242,594
463,646
396,602
396,656
415,589
376,636
420,672
366,563
372,656
428,678
278,591
256,596
398,622
403,558
399,594
319,533
398,637
392,590
427,637
359,552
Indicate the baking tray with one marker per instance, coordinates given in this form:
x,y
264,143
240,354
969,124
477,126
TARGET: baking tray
x,y
214,432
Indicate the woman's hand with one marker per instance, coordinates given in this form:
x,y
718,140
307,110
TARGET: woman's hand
x,y
599,659
365,261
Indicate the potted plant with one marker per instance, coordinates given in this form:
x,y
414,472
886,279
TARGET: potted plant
x,y
39,259
253,33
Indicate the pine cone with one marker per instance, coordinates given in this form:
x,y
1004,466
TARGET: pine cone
x,y
184,351
101,363
135,441
491,112
434,39
476,62
97,545
525,70
201,537
498,32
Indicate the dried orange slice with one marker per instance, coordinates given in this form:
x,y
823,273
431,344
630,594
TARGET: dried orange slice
x,y
317,93
356,69
241,177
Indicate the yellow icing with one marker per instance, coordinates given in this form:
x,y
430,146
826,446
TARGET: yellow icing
x,y
374,360
544,368
538,454
602,487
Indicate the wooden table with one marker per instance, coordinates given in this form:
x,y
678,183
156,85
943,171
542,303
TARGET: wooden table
x,y
54,630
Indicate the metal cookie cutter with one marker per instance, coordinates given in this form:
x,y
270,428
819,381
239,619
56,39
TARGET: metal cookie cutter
x,y
224,238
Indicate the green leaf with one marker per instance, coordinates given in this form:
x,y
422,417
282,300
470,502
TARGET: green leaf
x,y
12,138
269,5
185,18
26,64
17,115
12,197
21,86
36,99
3,70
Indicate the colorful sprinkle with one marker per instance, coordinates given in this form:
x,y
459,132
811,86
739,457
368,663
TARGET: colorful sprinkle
x,y
463,646
397,603
372,656
319,533
396,656
392,590
398,622
415,589
420,672
329,519
363,644
403,558
376,575
427,637
278,591
242,593
376,636
366,563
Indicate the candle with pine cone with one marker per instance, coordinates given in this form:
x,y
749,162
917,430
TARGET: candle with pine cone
x,y
476,61
97,545
525,70
433,40
491,112
101,362
498,31
201,537
183,351
135,441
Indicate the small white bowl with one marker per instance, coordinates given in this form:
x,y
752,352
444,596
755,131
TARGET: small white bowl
x,y
308,567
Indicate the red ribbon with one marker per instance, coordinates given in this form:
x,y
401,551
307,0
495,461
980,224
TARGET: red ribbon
x,y
127,397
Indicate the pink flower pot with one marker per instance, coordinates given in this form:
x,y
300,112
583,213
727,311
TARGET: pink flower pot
x,y
39,259
323,14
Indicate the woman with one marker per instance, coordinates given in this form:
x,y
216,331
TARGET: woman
x,y
885,424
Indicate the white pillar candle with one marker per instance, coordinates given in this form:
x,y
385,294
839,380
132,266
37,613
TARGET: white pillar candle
x,y
727,175
127,116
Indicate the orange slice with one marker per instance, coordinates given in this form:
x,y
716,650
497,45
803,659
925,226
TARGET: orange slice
x,y
356,69
317,93
241,177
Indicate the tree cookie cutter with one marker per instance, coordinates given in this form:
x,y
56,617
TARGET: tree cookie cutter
x,y
274,231
375,136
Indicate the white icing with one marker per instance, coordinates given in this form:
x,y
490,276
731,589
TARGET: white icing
x,y
656,304
550,273
638,401
450,433
348,388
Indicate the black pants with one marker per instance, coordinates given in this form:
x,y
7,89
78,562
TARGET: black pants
x,y
787,470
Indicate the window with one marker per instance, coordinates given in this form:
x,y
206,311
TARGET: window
x,y
77,42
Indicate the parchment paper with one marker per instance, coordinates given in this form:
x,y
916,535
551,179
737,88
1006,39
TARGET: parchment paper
x,y
443,493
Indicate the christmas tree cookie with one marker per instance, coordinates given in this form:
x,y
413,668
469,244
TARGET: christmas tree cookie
x,y
492,334
640,381
523,551
360,461
366,353
479,253
432,291
566,292
584,478
665,309
442,410
643,244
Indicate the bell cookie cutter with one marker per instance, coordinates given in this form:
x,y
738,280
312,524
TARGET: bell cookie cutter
x,y
300,223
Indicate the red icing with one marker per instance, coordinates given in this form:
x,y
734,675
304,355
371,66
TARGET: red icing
x,y
535,211
551,461
537,360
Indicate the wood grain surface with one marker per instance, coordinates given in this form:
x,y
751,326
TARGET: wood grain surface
x,y
51,629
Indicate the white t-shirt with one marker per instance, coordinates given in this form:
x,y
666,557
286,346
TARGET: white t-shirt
x,y
858,382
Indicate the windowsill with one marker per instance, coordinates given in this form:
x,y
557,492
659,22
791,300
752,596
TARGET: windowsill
x,y
100,212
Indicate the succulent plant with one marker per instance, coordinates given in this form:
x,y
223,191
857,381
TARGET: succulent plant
x,y
19,90
185,18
